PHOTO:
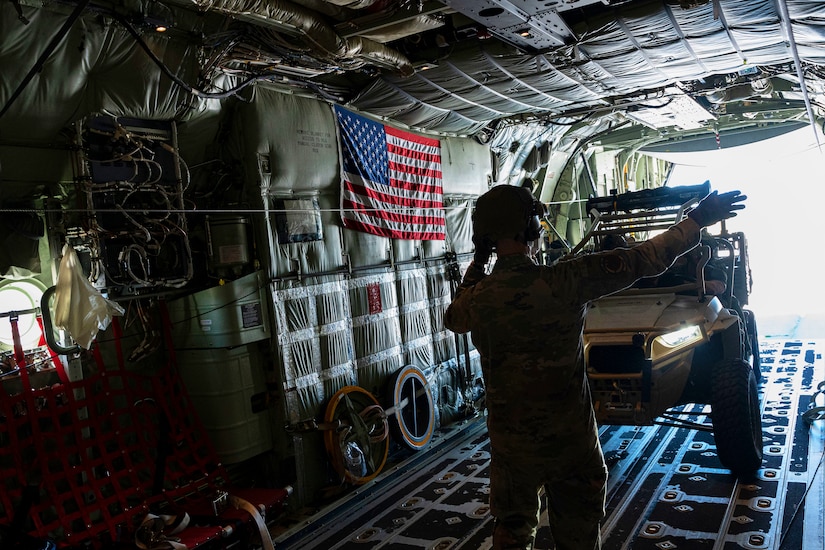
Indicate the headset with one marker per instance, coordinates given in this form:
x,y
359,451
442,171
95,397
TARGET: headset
x,y
535,212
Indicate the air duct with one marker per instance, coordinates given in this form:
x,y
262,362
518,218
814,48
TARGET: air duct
x,y
314,32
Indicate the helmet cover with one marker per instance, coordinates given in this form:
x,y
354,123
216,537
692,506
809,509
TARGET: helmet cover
x,y
507,212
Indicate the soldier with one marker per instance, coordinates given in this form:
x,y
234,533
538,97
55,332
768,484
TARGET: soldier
x,y
526,322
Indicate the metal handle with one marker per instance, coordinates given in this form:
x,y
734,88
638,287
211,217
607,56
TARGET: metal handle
x,y
48,329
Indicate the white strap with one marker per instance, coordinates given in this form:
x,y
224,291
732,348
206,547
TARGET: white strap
x,y
266,536
157,532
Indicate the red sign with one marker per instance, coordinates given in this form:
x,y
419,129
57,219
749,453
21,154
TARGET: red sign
x,y
374,298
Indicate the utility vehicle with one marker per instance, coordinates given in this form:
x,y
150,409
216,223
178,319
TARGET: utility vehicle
x,y
685,337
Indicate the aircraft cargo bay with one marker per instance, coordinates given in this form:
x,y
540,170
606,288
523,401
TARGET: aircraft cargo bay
x,y
317,274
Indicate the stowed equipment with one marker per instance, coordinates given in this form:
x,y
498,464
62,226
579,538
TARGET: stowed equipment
x,y
358,428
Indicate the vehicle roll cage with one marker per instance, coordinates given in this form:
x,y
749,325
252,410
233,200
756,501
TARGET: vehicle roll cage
x,y
641,214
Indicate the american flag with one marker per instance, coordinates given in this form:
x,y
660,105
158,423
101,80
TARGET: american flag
x,y
391,180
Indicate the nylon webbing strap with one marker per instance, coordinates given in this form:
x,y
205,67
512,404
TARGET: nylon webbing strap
x,y
52,355
242,504
19,356
158,532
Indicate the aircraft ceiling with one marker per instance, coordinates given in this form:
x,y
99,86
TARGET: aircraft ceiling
x,y
469,67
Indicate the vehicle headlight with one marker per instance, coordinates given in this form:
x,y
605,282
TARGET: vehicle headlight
x,y
682,336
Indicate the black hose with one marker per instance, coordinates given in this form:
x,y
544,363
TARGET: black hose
x,y
189,89
48,329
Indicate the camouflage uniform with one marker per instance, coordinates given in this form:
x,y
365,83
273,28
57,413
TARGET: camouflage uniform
x,y
526,322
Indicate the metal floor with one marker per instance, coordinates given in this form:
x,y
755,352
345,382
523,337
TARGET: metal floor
x,y
666,491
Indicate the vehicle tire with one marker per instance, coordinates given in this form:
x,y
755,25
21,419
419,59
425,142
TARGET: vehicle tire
x,y
737,418
753,341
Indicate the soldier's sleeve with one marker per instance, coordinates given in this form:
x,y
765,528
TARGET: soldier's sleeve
x,y
598,275
457,316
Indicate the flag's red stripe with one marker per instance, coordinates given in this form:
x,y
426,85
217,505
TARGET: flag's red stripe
x,y
413,187
414,170
392,233
434,189
375,195
432,142
424,156
412,219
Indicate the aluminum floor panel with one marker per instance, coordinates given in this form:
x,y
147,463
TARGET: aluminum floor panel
x,y
666,490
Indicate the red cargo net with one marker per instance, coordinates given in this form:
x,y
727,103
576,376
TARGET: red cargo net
x,y
89,448
99,453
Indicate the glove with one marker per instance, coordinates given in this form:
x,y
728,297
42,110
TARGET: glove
x,y
715,208
484,249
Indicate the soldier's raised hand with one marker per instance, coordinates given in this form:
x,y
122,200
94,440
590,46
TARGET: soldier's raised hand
x,y
715,207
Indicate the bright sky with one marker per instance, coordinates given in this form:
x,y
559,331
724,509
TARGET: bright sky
x,y
784,221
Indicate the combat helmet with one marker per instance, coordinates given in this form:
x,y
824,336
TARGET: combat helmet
x,y
508,212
